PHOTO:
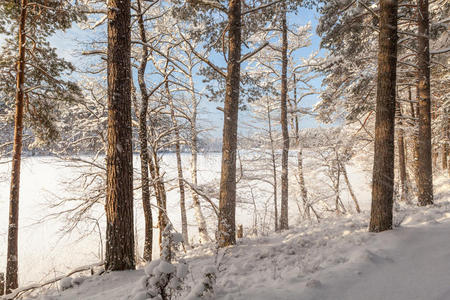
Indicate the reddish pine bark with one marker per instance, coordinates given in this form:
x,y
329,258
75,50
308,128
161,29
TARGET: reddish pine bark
x,y
227,203
383,168
13,228
119,190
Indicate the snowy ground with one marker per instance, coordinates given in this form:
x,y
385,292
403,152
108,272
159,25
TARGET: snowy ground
x,y
336,259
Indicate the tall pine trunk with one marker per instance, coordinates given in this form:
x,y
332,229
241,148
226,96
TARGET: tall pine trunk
x,y
284,222
13,228
145,189
119,190
227,203
424,140
383,167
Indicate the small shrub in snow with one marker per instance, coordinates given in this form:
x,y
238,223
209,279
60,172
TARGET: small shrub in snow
x,y
65,283
163,278
204,289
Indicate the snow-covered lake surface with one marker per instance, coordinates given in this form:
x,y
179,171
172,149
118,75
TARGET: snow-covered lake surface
x,y
46,253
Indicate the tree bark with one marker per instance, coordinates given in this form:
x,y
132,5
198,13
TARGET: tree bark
x,y
227,203
13,228
2,284
184,225
401,155
424,143
119,190
145,189
284,220
383,167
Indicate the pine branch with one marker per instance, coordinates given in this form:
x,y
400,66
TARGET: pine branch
x,y
248,55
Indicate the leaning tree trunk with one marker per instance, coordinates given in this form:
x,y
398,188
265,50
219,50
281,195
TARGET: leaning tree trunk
x,y
349,186
13,228
383,167
145,189
227,203
284,222
424,143
161,197
401,155
119,189
201,222
184,225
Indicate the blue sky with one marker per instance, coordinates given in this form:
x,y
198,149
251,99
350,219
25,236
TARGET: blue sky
x,y
70,44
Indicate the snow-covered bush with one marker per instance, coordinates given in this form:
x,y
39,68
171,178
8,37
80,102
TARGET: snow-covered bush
x,y
65,283
163,278
205,288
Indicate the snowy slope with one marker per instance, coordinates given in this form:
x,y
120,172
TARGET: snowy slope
x,y
336,259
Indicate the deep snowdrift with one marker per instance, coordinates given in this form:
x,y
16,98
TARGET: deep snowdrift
x,y
335,259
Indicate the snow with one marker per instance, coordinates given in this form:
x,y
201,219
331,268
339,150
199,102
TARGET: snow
x,y
335,259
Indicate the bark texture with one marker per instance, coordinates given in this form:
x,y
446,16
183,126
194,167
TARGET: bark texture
x,y
383,168
145,189
284,220
227,203
2,284
13,228
425,179
119,190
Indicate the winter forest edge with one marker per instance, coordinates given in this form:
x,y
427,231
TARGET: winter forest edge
x,y
212,149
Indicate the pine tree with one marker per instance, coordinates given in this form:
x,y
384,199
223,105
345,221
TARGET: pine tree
x,y
425,179
119,190
38,89
383,168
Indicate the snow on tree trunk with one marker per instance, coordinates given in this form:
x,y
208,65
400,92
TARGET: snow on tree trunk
x,y
13,228
145,189
284,222
119,190
383,167
425,179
